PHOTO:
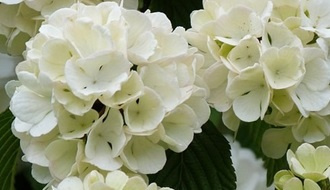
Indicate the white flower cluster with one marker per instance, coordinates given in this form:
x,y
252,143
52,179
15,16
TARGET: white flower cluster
x,y
308,167
104,88
116,180
20,19
268,59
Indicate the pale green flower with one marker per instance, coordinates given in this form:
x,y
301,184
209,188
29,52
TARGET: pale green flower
x,y
285,180
309,162
283,67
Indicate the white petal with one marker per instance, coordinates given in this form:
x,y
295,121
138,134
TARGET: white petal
x,y
250,94
138,23
179,125
64,95
144,156
55,54
70,183
98,39
279,35
142,48
160,20
93,178
283,67
116,179
164,83
282,100
199,18
245,54
106,141
311,129
317,75
41,174
47,124
130,90
135,183
312,100
169,45
98,74
74,126
275,142
61,155
201,109
237,24
144,114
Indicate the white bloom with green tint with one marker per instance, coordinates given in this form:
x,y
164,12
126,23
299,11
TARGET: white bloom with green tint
x,y
283,67
309,162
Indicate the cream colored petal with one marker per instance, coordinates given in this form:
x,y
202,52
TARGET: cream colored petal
x,y
322,155
96,75
311,129
70,183
144,114
293,184
73,126
41,174
116,179
130,91
61,155
276,141
311,185
250,94
141,155
78,32
179,125
104,139
283,67
94,177
164,83
135,183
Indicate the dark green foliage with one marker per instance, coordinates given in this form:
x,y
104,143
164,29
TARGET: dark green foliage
x,y
206,164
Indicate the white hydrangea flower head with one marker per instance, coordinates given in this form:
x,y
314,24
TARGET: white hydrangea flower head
x,y
113,86
269,60
116,180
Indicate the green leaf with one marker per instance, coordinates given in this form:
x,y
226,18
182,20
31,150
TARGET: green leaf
x,y
178,11
206,164
9,150
250,136
215,117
